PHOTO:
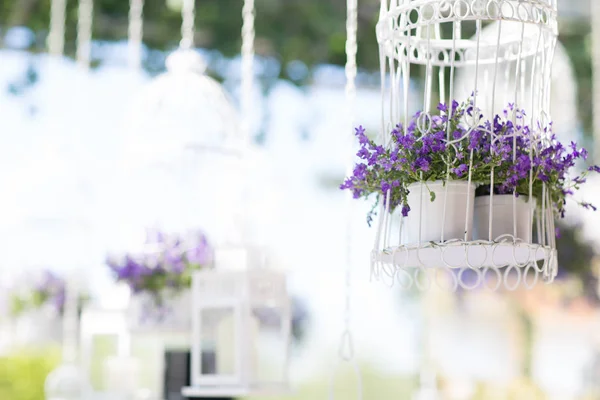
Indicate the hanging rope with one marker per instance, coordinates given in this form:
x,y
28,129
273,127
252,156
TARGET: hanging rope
x,y
84,33
135,34
346,349
72,286
188,16
56,36
248,35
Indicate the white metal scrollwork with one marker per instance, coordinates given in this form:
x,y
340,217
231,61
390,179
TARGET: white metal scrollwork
x,y
512,69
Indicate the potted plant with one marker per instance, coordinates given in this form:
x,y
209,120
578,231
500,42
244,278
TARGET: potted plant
x,y
425,172
528,165
160,275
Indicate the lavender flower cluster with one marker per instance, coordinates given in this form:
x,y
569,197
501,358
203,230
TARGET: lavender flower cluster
x,y
168,261
444,147
530,162
50,289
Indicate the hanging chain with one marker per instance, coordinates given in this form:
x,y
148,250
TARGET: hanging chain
x,y
135,33
346,349
188,16
84,32
248,35
56,36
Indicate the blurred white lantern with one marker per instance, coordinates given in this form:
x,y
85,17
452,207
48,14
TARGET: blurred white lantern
x,y
241,328
119,378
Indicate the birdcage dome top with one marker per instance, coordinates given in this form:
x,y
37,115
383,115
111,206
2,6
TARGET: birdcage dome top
x,y
185,61
424,30
182,108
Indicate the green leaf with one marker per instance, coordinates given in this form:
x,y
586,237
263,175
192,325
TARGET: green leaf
x,y
432,196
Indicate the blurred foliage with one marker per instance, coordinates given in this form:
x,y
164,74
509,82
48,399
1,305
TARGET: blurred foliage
x,y
376,385
576,38
576,257
103,347
288,30
23,373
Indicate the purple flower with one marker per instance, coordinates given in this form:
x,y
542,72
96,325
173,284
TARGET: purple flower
x,y
460,170
360,134
360,171
588,206
385,186
421,164
405,210
454,106
363,153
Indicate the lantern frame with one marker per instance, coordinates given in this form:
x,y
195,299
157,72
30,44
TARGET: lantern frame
x,y
242,292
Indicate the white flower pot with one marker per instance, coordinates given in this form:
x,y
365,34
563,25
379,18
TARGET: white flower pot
x,y
502,217
174,314
431,213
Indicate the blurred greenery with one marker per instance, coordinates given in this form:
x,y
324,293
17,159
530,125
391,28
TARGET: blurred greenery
x,y
103,347
576,38
311,31
23,372
576,257
376,385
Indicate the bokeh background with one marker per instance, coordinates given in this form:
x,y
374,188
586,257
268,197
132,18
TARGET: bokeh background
x,y
72,190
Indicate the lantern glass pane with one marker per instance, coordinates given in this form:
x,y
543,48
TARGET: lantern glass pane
x,y
219,345
271,345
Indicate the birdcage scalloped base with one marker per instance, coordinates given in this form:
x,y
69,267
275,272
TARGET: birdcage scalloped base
x,y
461,265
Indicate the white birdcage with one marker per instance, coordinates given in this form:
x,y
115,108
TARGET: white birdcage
x,y
181,109
447,237
241,327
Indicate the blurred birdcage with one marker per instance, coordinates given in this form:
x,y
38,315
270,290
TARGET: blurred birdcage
x,y
181,109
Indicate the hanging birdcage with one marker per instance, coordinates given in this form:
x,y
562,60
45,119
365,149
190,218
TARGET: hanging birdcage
x,y
471,204
180,130
182,108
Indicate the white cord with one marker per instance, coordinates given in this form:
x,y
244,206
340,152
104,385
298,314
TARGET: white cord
x,y
84,32
248,35
188,16
135,33
346,349
56,36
